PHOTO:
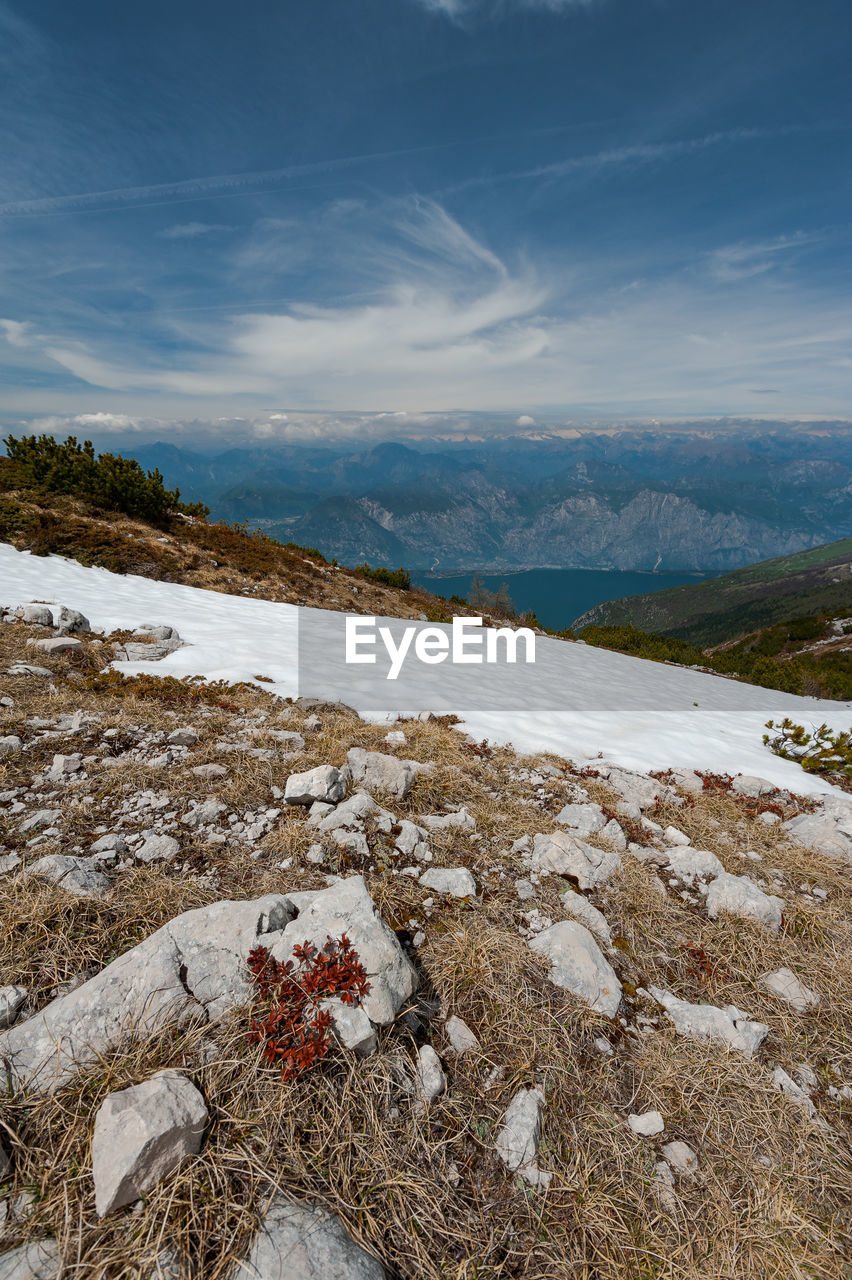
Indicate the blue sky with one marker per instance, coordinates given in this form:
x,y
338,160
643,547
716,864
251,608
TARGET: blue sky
x,y
560,208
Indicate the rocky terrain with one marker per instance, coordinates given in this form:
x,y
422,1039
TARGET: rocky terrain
x,y
607,1026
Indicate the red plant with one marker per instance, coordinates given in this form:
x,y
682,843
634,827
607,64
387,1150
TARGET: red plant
x,y
293,1029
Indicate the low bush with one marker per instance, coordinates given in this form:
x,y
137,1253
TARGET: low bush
x,y
822,751
400,578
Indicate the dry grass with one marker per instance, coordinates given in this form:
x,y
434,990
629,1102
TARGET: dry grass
x,y
424,1191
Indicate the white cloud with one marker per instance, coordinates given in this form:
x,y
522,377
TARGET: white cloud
x,y
190,230
18,333
525,421
735,262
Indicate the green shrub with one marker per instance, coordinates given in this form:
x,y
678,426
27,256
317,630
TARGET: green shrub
x,y
821,752
120,484
400,578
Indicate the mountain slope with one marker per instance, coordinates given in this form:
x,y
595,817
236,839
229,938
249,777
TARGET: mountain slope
x,y
718,610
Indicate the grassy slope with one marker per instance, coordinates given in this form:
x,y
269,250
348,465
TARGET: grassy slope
x,y
712,612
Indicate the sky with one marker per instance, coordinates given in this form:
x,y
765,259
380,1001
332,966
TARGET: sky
x,y
560,209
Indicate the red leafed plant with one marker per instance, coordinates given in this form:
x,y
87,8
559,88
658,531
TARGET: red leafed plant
x,y
287,1019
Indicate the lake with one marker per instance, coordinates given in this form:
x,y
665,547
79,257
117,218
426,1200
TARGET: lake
x,y
558,596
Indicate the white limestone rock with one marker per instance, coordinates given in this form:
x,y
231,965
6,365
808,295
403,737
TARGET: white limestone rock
x,y
346,907
60,644
460,1036
787,1085
352,1028
11,1001
578,965
375,771
10,745
79,876
430,1081
647,1124
563,854
141,1135
518,1139
784,984
456,882
304,1242
38,1260
157,848
738,896
681,1158
746,785
821,831
693,864
583,819
583,910
460,818
325,783
708,1022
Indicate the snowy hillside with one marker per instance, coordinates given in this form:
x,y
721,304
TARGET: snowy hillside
x,y
576,701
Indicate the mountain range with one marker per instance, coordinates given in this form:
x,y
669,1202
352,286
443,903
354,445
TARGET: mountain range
x,y
666,500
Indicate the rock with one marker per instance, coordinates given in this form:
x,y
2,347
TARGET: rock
x,y
768,818
304,1242
169,1265
60,644
157,848
786,1085
11,1001
112,843
70,621
578,965
10,745
37,615
784,984
461,819
185,737
737,896
614,834
822,832
647,1125
457,882
707,1022
517,1141
430,1078
79,876
460,1036
325,783
353,813
746,785
41,818
64,766
352,1028
203,813
563,854
687,780
9,862
193,967
379,772
396,738
584,819
681,1158
672,835
525,889
141,1135
693,864
664,1186
347,908
210,771
413,842
583,910
38,1260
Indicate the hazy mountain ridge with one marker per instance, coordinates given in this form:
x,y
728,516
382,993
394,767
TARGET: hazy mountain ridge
x,y
635,500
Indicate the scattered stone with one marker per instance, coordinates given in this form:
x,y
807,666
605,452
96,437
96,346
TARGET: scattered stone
x,y
304,1242
157,849
672,835
10,745
70,621
413,841
681,1158
784,984
182,738
578,965
517,1141
664,1186
787,1085
584,819
457,882
210,771
583,910
64,766
112,843
460,1036
460,818
38,1260
693,864
746,785
603,1046
707,1022
60,644
37,615
430,1078
141,1135
11,1001
820,831
379,772
79,876
737,896
9,862
563,854
647,1125
352,1028
525,889
325,783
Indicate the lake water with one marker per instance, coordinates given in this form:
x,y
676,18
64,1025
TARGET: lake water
x,y
558,596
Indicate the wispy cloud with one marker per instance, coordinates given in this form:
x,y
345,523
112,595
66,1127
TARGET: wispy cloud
x,y
191,230
457,9
735,262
